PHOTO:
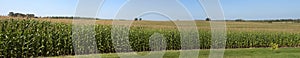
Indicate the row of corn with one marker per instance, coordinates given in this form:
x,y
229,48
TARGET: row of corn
x,y
30,38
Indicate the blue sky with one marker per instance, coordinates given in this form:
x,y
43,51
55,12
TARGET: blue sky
x,y
233,9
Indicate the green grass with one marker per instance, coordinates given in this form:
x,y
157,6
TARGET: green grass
x,y
229,53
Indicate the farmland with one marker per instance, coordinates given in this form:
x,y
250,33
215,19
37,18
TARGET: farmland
x,y
53,37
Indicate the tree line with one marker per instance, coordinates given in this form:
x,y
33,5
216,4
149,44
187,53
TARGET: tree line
x,y
12,14
60,17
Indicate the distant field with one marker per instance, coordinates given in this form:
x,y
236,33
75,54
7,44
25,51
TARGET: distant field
x,y
205,25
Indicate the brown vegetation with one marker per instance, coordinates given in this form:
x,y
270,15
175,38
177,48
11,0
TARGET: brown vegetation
x,y
202,25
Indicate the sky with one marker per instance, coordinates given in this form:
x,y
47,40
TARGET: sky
x,y
233,9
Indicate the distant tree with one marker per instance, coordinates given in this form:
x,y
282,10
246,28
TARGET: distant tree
x,y
140,19
30,15
269,21
207,19
20,15
135,19
11,14
240,20
17,14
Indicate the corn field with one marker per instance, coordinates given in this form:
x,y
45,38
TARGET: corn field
x,y
30,38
